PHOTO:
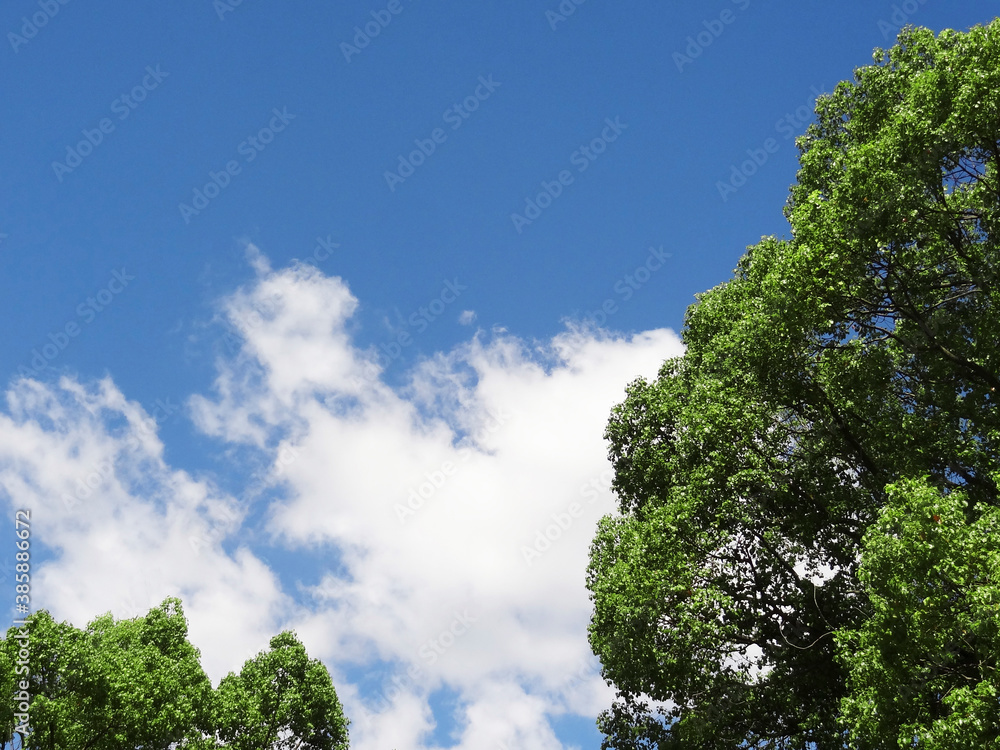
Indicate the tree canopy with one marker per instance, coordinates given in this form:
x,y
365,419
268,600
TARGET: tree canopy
x,y
806,553
127,684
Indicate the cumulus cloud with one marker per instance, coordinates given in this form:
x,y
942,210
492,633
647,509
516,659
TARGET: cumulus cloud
x,y
456,511
122,529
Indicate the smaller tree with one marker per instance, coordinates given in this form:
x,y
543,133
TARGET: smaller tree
x,y
127,684
281,700
117,685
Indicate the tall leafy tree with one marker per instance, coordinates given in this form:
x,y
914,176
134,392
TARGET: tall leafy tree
x,y
805,553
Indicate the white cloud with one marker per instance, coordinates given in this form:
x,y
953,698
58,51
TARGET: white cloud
x,y
457,511
125,529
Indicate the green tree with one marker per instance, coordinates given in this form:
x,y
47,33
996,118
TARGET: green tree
x,y
8,681
281,700
769,579
128,684
115,685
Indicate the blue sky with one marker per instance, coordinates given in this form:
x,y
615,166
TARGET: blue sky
x,y
266,271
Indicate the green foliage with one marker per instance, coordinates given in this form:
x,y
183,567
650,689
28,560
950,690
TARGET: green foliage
x,y
7,682
115,685
923,665
281,699
127,684
753,587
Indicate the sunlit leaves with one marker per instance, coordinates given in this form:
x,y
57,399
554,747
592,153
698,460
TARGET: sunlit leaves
x,y
116,685
128,684
281,700
924,664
